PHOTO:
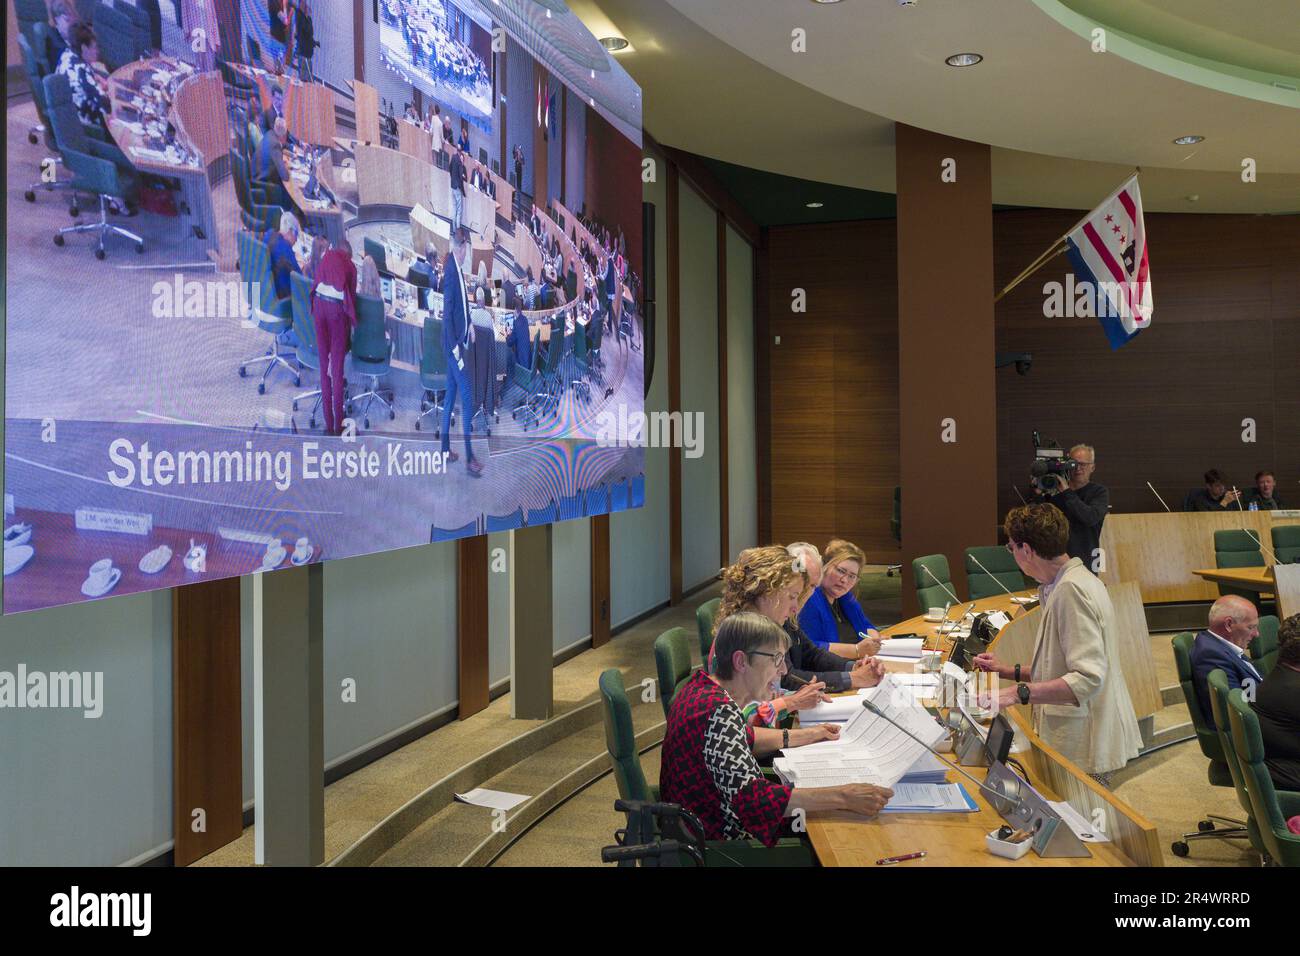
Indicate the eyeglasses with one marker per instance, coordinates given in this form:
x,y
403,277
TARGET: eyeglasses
x,y
846,574
779,658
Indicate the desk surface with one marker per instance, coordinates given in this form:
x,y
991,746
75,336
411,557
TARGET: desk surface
x,y
1253,579
957,839
152,97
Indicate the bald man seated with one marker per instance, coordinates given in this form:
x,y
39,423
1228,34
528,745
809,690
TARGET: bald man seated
x,y
1233,624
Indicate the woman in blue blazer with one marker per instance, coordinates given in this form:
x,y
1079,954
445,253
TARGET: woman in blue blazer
x,y
832,617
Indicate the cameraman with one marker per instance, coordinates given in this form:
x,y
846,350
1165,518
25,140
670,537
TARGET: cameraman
x,y
1084,503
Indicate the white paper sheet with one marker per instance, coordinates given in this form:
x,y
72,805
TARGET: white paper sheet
x,y
492,799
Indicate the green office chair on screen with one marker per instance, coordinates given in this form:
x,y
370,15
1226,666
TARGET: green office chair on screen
x,y
1208,739
1286,543
704,616
1238,549
433,375
304,326
1272,807
371,357
620,741
933,581
1218,686
1263,649
673,661
272,315
999,567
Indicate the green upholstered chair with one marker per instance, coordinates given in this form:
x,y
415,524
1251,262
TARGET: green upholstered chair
x,y
932,577
620,741
375,250
1263,649
304,327
433,375
528,380
704,615
999,567
271,314
673,661
371,356
1237,549
1272,808
1286,543
1208,739
1218,686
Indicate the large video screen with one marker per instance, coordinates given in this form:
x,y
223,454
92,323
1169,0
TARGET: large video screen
x,y
261,312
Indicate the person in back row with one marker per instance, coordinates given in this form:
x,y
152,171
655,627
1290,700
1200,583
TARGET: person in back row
x,y
832,617
708,764
1263,497
805,661
1215,496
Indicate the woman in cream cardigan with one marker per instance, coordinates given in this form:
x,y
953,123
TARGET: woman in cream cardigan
x,y
1074,684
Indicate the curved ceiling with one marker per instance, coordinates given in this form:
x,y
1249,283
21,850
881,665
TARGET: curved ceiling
x,y
1065,124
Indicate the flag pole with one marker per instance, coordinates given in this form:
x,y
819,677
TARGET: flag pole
x,y
1058,246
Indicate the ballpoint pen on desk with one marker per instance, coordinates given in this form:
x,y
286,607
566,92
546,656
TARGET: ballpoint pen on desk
x,y
891,860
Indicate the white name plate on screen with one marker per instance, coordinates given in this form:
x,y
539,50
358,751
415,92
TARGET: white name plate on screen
x,y
246,537
124,522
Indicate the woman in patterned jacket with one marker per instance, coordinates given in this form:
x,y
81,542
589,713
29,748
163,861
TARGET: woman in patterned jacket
x,y
708,762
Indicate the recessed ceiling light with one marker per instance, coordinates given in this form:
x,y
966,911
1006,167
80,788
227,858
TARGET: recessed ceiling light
x,y
1189,140
964,59
825,2
613,44
814,205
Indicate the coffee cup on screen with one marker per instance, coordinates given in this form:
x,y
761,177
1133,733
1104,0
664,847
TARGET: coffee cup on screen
x,y
301,547
101,571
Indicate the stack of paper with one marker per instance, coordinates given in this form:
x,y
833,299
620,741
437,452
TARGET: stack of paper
x,y
930,798
908,647
927,769
835,710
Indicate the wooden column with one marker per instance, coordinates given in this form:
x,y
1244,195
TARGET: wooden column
x,y
763,386
207,761
532,661
599,580
674,386
945,350
724,494
472,624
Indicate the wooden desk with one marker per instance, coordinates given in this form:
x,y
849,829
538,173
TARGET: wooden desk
x,y
1161,552
414,140
1251,579
308,107
324,217
386,177
194,104
366,100
957,839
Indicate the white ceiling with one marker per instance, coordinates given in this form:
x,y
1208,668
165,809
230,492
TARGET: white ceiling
x,y
1066,124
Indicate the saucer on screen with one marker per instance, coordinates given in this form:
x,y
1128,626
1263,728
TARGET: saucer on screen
x,y
16,557
93,588
17,534
273,559
156,560
303,557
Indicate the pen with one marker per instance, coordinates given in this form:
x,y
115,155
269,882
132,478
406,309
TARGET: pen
x,y
891,860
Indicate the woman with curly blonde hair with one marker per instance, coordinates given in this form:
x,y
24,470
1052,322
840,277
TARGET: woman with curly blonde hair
x,y
771,582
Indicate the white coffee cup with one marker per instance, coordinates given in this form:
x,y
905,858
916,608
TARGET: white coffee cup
x,y
101,571
935,612
301,547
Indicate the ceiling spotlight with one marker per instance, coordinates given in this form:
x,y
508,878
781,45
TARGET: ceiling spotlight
x,y
964,59
1189,140
825,2
813,205
614,44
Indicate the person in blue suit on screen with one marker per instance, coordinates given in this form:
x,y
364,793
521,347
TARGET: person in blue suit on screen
x,y
1233,624
455,345
832,617
520,338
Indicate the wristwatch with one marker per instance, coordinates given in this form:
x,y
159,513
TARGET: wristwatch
x,y
785,739
1022,691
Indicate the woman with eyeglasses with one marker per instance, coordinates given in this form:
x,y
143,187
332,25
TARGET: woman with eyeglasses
x,y
832,618
708,762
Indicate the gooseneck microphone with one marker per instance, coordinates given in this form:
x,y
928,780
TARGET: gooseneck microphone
x,y
955,598
1157,494
1253,537
990,574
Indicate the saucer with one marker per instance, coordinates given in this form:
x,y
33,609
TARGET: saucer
x,y
17,534
90,590
156,560
16,557
273,559
306,558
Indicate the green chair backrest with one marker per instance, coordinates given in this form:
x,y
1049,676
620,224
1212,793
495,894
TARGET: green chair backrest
x,y
255,268
620,737
368,340
1208,739
554,349
1282,845
1218,684
433,361
673,661
704,615
999,566
930,593
579,342
375,250
303,324
1263,649
1286,543
1236,549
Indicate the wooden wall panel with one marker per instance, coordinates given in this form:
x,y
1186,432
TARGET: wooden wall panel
x,y
600,613
207,762
472,624
674,306
831,385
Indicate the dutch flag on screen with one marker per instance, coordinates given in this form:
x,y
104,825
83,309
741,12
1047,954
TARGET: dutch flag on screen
x,y
1108,249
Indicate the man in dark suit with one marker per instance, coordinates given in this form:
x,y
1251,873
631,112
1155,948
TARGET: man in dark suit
x,y
458,179
611,292
455,346
571,285
1233,624
1215,496
1277,705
